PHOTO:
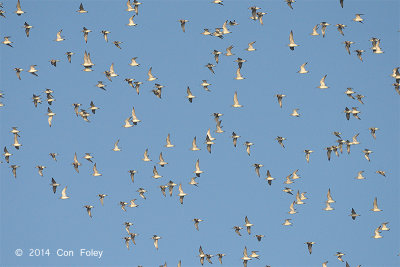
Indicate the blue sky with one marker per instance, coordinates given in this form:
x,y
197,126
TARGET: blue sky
x,y
32,217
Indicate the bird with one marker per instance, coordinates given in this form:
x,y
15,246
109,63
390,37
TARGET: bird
x,y
205,85
14,170
102,196
132,175
303,69
133,204
16,144
196,223
81,9
156,238
7,155
308,152
383,173
237,230
366,154
309,246
202,255
54,62
194,145
87,62
105,34
219,2
134,62
155,173
229,51
248,225
360,176
53,155
85,33
257,167
189,96
76,163
314,30
54,185
131,22
162,162
287,189
347,45
323,27
18,72
63,193
209,143
69,56
339,256
183,23
127,239
289,3
269,178
40,169
95,171
88,157
359,98
353,214
340,28
254,12
235,138
220,255
210,67
197,168
250,46
181,194
19,11
373,131
50,115
292,210
359,54
280,97
291,44
32,70
295,113
7,41
59,38
240,62
245,257
287,222
146,155
27,28
322,84
384,226
377,233
151,76
117,44
330,199
123,204
89,210
358,18
141,192
328,206
375,206
101,85
235,101
168,140
280,140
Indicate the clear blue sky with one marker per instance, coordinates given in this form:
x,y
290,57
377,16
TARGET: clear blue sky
x,y
32,217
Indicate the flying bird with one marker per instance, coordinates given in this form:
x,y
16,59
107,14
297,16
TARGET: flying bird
x,y
291,44
236,102
183,23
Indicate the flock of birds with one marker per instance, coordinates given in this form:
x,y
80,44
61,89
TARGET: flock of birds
x,y
132,120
